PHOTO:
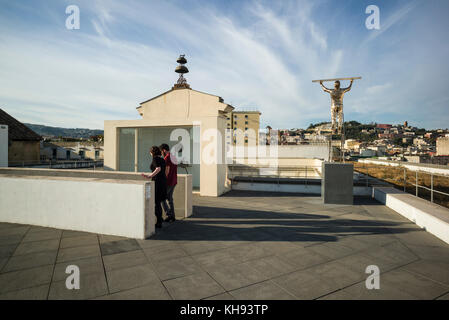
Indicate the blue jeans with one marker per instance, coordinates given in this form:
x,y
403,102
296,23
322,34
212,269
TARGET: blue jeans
x,y
170,208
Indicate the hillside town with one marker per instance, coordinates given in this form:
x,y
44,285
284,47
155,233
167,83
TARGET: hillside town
x,y
401,142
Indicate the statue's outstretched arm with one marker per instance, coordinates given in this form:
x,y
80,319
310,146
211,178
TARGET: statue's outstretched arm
x,y
348,88
324,88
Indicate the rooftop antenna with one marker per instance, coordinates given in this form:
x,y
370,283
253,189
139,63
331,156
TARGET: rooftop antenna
x,y
181,69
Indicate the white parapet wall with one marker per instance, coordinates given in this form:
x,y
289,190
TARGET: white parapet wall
x,y
106,206
182,195
432,217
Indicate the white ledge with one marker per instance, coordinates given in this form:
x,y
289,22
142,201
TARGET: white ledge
x,y
432,217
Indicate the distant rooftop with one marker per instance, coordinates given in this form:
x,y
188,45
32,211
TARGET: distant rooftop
x,y
17,130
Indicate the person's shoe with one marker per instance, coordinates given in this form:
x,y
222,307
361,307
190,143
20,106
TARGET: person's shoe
x,y
170,219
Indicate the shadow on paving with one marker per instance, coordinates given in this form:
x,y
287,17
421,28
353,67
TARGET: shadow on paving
x,y
230,224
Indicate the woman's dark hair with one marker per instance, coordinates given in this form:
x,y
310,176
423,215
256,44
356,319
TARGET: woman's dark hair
x,y
155,151
164,146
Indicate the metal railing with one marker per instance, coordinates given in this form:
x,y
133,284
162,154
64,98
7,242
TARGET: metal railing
x,y
58,164
434,185
303,172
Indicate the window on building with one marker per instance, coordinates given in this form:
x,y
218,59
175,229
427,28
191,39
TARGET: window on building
x,y
246,128
97,154
235,116
246,140
246,122
235,122
81,153
67,154
246,116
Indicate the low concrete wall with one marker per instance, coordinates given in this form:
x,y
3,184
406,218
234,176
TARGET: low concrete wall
x,y
432,217
106,206
182,196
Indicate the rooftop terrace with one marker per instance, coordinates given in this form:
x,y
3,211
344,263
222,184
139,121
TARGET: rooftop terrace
x,y
243,245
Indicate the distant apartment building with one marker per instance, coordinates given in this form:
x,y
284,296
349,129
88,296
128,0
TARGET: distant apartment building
x,y
23,143
352,144
242,127
443,146
71,151
367,153
419,141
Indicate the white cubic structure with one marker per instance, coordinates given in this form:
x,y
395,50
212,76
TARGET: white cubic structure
x,y
184,116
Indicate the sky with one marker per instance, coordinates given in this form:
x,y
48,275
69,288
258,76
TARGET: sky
x,y
254,54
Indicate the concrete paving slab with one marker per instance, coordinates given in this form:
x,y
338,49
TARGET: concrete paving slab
x,y
267,290
444,297
221,296
154,291
34,293
132,277
79,241
10,239
86,266
418,286
108,238
14,230
37,246
175,268
306,285
360,292
7,251
270,267
236,276
124,260
78,253
193,287
71,233
31,260
303,258
437,271
43,235
114,247
91,286
16,280
164,254
3,261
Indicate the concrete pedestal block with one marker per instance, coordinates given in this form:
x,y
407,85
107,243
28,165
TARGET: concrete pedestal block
x,y
337,183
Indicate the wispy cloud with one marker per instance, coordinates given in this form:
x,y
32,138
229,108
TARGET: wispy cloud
x,y
257,54
393,19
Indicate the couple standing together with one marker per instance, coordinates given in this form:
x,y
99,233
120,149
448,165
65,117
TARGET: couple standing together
x,y
165,176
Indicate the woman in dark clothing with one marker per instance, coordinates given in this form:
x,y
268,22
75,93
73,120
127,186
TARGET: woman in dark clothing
x,y
160,181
